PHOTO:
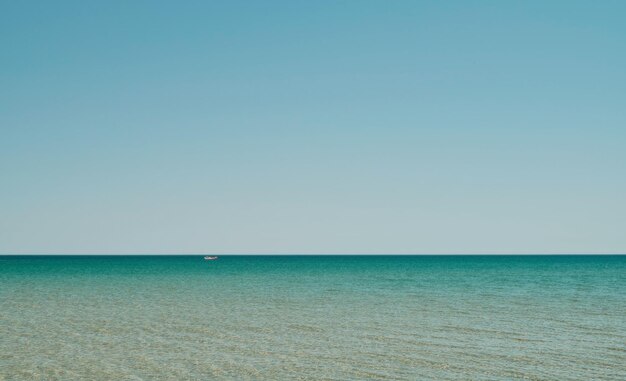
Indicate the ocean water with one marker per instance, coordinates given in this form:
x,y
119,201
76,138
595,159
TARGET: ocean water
x,y
313,318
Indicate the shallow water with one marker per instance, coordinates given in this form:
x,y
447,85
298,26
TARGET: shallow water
x,y
313,318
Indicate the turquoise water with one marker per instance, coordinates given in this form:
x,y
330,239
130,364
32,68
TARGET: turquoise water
x,y
313,318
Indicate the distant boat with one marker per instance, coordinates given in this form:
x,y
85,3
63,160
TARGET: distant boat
x,y
207,258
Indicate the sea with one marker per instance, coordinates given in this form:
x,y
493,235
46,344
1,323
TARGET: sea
x,y
313,318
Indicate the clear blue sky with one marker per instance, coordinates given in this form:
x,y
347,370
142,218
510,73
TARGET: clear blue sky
x,y
313,127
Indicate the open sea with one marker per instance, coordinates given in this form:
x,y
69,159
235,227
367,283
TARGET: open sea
x,y
313,318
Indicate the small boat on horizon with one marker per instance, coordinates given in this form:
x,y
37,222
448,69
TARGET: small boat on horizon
x,y
209,258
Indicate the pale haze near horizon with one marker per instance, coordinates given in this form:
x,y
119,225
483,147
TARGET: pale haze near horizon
x,y
312,127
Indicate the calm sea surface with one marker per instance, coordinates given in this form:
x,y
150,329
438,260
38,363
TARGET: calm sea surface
x,y
313,318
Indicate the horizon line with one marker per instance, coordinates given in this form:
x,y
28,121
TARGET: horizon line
x,y
308,254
